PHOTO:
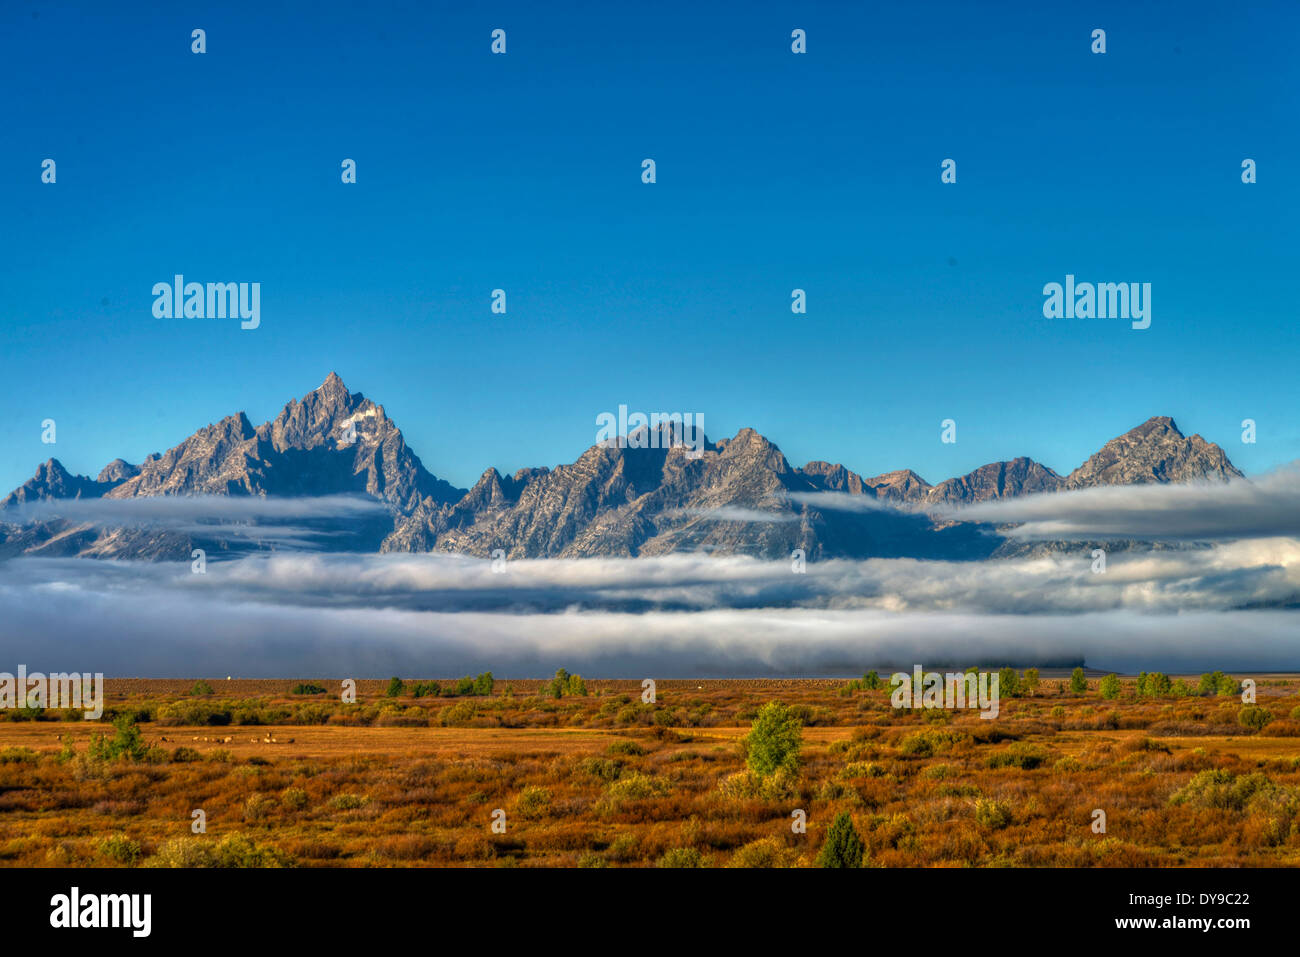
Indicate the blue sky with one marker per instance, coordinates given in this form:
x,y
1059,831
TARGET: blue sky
x,y
775,171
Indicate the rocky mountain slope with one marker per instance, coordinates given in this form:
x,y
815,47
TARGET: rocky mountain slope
x,y
736,496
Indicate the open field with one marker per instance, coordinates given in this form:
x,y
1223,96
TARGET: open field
x,y
603,779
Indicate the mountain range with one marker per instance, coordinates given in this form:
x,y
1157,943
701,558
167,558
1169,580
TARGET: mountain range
x,y
736,496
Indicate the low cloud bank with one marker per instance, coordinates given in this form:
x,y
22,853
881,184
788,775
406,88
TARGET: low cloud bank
x,y
1268,506
1234,606
306,522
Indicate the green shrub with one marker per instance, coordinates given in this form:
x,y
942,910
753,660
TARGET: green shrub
x,y
1021,754
395,687
120,848
307,689
623,848
993,815
126,742
932,741
233,851
533,801
194,712
457,715
774,741
601,768
766,852
682,857
201,687
293,799
1078,681
842,847
632,787
629,748
1223,790
1254,717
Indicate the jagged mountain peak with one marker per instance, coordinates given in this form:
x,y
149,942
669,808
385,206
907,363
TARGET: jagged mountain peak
x,y
1019,476
52,480
836,478
1155,451
323,417
116,471
653,492
750,445
901,486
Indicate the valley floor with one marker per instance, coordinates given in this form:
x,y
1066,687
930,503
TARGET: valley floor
x,y
603,779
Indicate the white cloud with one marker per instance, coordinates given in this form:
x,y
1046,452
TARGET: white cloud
x,y
1268,506
1230,606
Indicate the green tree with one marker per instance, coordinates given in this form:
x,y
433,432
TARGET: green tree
x,y
871,681
1031,680
1159,685
201,687
1009,683
126,742
1109,687
843,847
483,684
395,688
576,686
774,740
464,686
1078,681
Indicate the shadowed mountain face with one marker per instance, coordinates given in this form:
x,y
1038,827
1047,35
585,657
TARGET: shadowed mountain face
x,y
1000,480
653,497
52,480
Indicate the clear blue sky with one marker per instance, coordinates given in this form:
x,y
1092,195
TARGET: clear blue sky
x,y
775,171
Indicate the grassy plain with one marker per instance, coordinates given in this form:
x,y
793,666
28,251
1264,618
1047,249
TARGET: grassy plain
x,y
602,779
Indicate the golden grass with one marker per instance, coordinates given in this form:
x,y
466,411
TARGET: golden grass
x,y
374,794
